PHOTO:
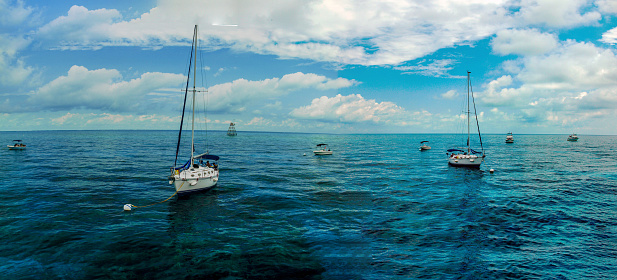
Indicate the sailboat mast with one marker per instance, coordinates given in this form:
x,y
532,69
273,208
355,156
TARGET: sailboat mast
x,y
193,119
468,116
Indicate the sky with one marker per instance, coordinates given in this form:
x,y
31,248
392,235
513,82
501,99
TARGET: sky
x,y
322,66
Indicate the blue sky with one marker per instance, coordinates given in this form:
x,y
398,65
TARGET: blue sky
x,y
332,66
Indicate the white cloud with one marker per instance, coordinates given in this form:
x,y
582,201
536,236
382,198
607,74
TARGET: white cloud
x,y
451,94
13,70
80,28
61,120
14,13
523,42
329,30
574,66
100,89
436,68
557,13
115,121
610,37
234,96
573,82
351,108
607,6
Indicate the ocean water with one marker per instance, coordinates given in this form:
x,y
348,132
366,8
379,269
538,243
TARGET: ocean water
x,y
376,209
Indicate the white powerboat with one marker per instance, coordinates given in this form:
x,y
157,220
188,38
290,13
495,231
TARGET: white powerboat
x,y
17,145
195,175
424,147
509,138
322,149
573,137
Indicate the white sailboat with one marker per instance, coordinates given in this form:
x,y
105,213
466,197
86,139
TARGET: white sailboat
x,y
197,174
467,157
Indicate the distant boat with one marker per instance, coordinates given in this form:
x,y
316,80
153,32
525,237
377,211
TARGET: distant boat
x,y
424,147
194,175
17,145
322,150
509,138
467,157
231,131
573,137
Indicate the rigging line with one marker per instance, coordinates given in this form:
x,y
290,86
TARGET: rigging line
x,y
476,113
135,206
205,96
186,91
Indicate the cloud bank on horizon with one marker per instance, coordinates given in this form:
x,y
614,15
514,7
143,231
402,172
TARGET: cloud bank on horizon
x,y
546,66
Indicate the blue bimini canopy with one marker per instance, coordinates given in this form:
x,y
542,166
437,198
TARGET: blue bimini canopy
x,y
212,157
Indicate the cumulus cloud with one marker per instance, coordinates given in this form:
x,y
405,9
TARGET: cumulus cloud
x,y
523,42
566,84
607,6
349,109
234,96
340,31
610,37
80,28
102,89
576,65
557,13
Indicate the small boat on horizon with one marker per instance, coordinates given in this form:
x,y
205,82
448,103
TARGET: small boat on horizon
x,y
509,138
17,145
424,147
573,137
194,175
467,157
231,131
322,150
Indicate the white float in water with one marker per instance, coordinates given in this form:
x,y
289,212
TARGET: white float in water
x,y
304,154
128,207
492,170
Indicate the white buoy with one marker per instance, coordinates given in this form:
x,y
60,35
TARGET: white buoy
x,y
128,207
492,170
304,154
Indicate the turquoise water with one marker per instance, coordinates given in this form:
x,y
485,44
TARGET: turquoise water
x,y
376,209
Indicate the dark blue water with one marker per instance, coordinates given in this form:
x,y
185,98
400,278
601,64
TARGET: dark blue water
x,y
376,209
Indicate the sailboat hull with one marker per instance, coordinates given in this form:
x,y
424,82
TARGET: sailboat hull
x,y
465,161
195,180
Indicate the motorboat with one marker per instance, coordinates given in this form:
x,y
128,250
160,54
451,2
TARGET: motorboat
x,y
17,145
322,150
573,137
509,138
424,146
